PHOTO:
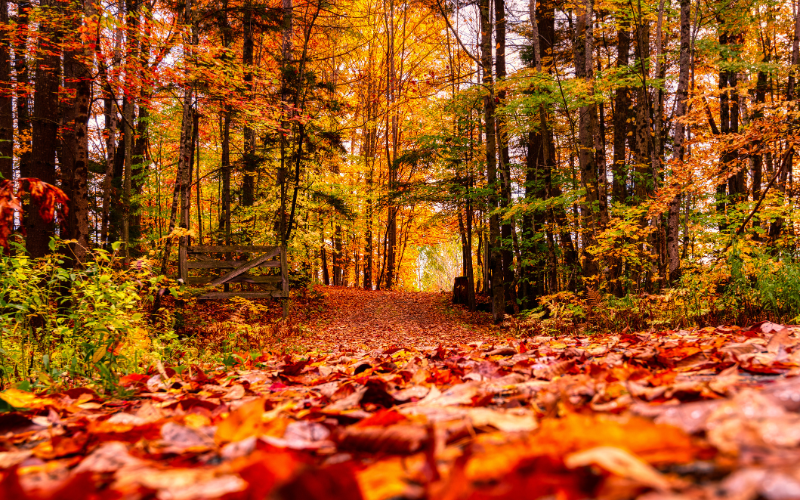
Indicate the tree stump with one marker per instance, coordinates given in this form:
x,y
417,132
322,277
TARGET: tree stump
x,y
460,286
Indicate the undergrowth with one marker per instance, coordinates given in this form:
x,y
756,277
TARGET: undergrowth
x,y
89,326
746,286
60,326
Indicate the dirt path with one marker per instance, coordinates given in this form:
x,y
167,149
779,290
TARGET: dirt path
x,y
353,318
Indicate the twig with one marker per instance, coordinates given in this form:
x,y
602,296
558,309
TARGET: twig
x,y
455,33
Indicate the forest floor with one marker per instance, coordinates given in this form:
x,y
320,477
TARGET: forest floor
x,y
382,319
331,319
390,395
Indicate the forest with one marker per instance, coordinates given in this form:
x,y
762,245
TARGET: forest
x,y
401,248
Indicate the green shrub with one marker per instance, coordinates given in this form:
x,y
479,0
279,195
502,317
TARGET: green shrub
x,y
60,325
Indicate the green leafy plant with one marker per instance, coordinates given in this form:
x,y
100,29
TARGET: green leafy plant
x,y
59,324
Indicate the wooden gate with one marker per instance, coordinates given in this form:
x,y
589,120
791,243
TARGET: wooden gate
x,y
194,258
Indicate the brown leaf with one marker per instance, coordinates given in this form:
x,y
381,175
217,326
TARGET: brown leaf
x,y
396,439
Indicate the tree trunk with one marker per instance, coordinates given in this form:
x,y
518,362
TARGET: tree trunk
x,y
621,115
622,105
644,180
141,137
45,124
139,157
224,234
180,196
249,153
370,143
507,228
326,279
679,151
724,128
776,227
190,121
494,244
592,206
23,99
110,119
337,256
470,272
79,207
533,267
757,158
225,160
6,109
391,132
287,114
131,60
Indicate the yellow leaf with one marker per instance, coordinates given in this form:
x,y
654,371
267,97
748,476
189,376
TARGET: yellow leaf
x,y
98,354
22,399
250,419
384,479
241,423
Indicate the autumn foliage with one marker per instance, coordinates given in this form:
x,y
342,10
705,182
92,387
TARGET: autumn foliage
x,y
607,183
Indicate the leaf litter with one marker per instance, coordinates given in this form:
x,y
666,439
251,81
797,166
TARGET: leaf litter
x,y
693,414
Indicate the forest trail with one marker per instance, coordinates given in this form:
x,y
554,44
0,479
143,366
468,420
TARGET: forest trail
x,y
355,318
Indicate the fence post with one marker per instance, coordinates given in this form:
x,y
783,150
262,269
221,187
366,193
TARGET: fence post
x,y
183,267
284,282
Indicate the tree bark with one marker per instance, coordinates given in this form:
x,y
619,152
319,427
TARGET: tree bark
x,y
622,106
758,158
131,60
22,96
225,133
679,151
181,195
507,228
496,262
370,146
45,124
6,105
111,125
620,119
776,226
592,206
249,152
391,156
